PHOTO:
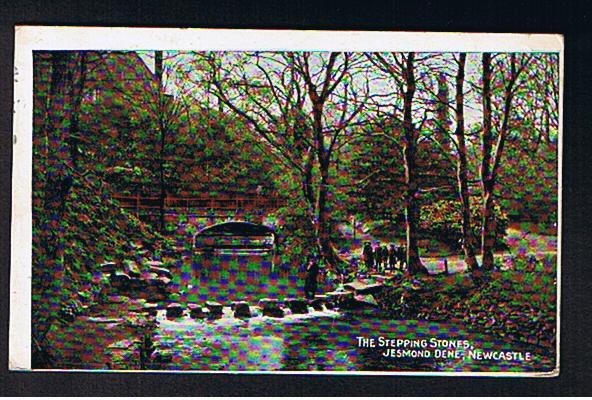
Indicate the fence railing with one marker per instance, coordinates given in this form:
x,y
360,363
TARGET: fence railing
x,y
218,203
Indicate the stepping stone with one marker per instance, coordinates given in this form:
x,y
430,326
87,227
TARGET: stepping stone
x,y
340,298
150,308
271,308
174,310
364,288
297,306
318,302
214,309
196,311
241,309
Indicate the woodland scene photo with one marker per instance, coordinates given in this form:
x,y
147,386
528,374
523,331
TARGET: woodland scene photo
x,y
295,211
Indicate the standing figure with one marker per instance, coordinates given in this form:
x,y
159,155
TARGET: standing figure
x,y
402,257
385,257
310,282
368,256
392,257
377,257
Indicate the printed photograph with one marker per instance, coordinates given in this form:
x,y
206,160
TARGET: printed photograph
x,y
265,210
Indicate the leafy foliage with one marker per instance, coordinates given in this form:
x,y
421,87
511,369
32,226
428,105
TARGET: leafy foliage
x,y
441,220
518,303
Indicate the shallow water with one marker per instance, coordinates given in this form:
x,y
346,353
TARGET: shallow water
x,y
323,341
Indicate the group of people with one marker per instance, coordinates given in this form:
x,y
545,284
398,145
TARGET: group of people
x,y
380,258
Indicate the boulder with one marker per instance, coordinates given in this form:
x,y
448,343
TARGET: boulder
x,y
214,309
150,308
174,310
161,356
361,287
108,267
297,306
196,311
342,299
120,280
131,268
318,302
271,308
241,309
160,271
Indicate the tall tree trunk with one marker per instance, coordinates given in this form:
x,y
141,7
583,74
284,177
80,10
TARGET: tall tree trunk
x,y
162,129
461,171
487,184
67,70
409,154
323,218
492,156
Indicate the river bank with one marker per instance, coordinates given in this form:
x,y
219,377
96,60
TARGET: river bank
x,y
518,302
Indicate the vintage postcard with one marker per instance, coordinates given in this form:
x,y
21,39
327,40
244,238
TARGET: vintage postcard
x,y
265,201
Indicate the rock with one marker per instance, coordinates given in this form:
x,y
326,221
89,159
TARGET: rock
x,y
150,308
119,280
342,299
378,278
297,306
174,310
131,268
116,299
271,308
318,302
241,309
136,305
124,354
135,320
161,356
360,287
196,311
159,270
366,300
108,267
214,309
154,263
104,320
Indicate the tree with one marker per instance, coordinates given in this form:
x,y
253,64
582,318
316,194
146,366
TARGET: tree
x,y
400,68
301,105
168,114
458,139
462,168
528,190
503,75
56,120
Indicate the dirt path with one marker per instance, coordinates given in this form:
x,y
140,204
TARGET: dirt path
x,y
522,239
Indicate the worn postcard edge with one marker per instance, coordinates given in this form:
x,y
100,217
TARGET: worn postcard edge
x,y
30,38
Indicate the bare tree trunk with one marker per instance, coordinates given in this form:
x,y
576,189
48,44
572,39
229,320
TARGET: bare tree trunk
x,y
492,159
162,129
463,190
323,218
409,154
487,184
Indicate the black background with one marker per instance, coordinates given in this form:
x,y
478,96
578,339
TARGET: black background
x,y
570,18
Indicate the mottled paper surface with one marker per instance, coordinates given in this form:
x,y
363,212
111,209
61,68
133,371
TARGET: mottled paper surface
x,y
286,201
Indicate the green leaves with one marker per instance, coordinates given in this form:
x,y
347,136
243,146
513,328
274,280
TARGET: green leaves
x,y
441,220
